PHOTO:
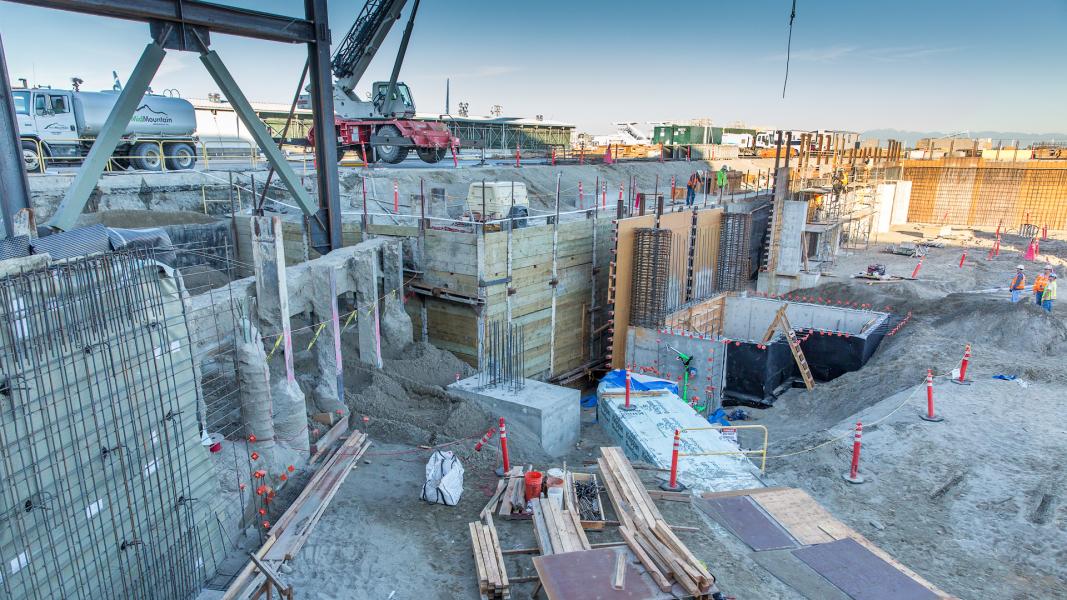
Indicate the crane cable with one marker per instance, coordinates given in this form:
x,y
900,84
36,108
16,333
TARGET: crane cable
x,y
789,46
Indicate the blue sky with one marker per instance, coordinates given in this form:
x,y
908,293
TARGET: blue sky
x,y
948,65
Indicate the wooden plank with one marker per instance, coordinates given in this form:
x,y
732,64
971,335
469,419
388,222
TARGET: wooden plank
x,y
505,585
544,540
643,557
479,563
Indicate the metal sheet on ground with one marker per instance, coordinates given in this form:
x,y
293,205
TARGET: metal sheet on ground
x,y
744,519
859,573
798,576
588,575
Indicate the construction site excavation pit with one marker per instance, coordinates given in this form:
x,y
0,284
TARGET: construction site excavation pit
x,y
833,340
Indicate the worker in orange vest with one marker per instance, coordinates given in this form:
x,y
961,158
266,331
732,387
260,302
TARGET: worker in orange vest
x,y
691,189
1040,282
1018,284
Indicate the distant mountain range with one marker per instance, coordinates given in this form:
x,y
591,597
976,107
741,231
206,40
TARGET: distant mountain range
x,y
910,137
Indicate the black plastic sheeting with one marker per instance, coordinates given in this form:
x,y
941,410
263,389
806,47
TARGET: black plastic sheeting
x,y
755,377
93,239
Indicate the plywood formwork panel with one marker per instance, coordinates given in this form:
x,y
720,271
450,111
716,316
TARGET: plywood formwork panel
x,y
680,224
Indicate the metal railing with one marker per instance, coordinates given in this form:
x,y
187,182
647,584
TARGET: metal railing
x,y
204,151
739,452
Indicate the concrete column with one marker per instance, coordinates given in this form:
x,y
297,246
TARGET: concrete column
x,y
272,306
329,391
393,269
395,328
365,269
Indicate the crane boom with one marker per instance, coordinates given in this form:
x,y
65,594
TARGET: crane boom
x,y
356,51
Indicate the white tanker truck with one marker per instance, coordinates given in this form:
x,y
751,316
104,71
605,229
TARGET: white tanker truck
x,y
60,125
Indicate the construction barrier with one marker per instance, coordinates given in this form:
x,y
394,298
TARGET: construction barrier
x,y
762,452
853,475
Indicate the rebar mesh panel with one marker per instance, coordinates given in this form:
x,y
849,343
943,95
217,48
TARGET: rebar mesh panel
x,y
104,483
649,287
734,257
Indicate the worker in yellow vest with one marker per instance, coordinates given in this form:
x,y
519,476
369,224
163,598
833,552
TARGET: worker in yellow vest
x,y
1049,295
1018,284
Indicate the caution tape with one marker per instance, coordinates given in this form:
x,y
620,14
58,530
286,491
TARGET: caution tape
x,y
316,336
277,342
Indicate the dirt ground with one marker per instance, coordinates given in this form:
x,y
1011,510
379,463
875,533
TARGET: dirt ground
x,y
973,503
378,540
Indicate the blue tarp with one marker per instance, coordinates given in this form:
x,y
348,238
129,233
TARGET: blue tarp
x,y
617,378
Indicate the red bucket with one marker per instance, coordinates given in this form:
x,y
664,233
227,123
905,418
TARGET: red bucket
x,y
533,485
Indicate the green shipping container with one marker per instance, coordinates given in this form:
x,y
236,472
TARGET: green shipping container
x,y
661,134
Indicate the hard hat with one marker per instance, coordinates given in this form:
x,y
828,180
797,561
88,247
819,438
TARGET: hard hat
x,y
1020,267
1052,275
1048,267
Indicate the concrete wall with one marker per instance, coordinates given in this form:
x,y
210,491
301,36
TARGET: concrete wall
x,y
747,318
794,216
647,352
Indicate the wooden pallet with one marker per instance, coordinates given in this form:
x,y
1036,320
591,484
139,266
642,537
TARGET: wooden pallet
x,y
642,526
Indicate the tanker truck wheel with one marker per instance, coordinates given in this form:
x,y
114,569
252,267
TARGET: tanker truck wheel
x,y
180,156
431,155
391,154
146,157
31,158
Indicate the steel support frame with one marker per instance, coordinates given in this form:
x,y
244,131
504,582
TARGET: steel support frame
x,y
321,92
243,108
216,17
189,14
14,185
129,99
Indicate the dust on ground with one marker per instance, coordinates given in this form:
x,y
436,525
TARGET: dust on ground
x,y
1000,530
974,503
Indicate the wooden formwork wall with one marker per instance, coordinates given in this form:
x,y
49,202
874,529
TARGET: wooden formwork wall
x,y
559,344
476,264
680,223
987,193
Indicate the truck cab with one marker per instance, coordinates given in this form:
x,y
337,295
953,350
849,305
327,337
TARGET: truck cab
x,y
402,105
46,119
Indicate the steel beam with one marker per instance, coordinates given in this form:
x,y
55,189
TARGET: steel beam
x,y
258,130
326,230
14,186
216,17
110,134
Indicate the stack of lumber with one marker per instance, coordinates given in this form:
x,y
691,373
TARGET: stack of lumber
x,y
663,555
557,530
293,529
489,561
513,499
